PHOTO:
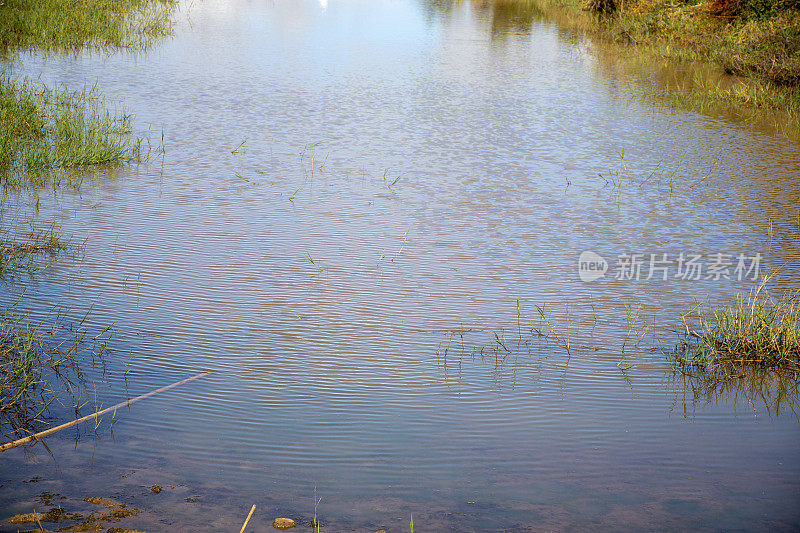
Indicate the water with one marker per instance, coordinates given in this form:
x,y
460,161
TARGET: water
x,y
349,376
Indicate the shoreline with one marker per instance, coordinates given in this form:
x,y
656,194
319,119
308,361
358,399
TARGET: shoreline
x,y
735,50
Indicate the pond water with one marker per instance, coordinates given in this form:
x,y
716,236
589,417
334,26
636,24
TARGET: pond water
x,y
359,205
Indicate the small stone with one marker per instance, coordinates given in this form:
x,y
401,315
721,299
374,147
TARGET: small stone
x,y
381,531
283,523
155,489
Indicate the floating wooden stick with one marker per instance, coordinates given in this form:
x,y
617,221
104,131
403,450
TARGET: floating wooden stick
x,y
248,518
36,436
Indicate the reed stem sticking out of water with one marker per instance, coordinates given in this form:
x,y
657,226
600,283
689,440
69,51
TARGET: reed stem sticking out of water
x,y
247,520
94,415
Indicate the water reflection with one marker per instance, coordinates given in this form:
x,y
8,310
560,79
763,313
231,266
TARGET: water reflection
x,y
504,17
760,390
655,80
331,378
508,17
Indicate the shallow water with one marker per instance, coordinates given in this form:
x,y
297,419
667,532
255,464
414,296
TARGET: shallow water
x,y
353,375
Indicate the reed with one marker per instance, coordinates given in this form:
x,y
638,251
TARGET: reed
x,y
27,252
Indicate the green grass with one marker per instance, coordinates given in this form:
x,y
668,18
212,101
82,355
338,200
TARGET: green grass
x,y
69,25
47,136
754,332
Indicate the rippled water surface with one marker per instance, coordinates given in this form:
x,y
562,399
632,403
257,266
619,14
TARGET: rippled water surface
x,y
359,205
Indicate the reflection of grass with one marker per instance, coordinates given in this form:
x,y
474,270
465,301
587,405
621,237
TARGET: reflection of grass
x,y
776,390
67,25
756,331
46,132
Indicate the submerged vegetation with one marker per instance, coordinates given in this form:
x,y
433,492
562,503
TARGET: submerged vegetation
x,y
48,137
68,25
748,352
756,331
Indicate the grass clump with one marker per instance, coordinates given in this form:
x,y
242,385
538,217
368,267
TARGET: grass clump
x,y
44,133
755,332
68,25
755,41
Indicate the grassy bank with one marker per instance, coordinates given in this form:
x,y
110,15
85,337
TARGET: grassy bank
x,y
757,40
47,137
68,25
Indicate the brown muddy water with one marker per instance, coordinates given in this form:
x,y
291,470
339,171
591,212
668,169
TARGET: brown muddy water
x,y
437,162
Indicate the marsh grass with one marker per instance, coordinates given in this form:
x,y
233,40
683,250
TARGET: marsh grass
x,y
749,99
754,332
40,365
69,25
47,135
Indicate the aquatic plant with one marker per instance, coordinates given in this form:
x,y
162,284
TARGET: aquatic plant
x,y
26,254
756,331
315,522
47,134
310,260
